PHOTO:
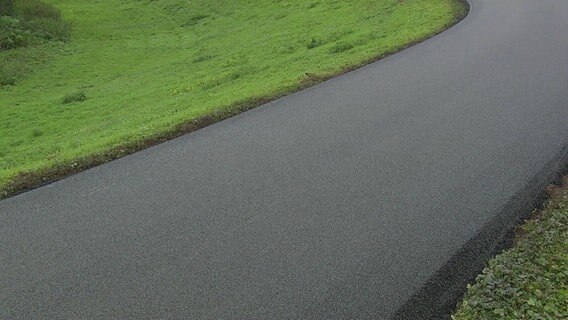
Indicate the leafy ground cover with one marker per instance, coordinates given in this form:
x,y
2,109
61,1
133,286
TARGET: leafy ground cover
x,y
134,72
529,281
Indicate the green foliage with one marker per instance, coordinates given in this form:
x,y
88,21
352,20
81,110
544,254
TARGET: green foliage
x,y
314,43
31,22
36,9
6,7
149,66
74,97
530,281
49,29
13,34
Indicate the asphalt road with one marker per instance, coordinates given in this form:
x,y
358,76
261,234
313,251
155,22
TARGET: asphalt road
x,y
338,202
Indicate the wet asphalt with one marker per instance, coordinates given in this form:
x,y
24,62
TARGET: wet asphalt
x,y
337,202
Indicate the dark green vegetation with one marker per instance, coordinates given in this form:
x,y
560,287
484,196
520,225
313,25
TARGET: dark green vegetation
x,y
137,72
74,97
529,281
26,23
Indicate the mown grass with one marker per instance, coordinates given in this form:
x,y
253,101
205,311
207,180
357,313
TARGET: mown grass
x,y
147,68
529,281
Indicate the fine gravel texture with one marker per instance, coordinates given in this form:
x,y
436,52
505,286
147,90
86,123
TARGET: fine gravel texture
x,y
370,196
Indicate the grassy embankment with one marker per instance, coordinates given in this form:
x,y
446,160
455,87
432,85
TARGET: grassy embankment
x,y
529,281
132,73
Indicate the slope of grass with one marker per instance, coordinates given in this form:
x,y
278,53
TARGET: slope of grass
x,y
144,67
529,281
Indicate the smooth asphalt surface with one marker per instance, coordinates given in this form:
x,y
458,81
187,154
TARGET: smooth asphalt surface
x,y
338,202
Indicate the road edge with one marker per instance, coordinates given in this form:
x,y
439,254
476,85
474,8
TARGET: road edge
x,y
440,295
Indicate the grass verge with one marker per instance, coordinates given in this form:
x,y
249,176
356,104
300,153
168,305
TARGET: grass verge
x,y
136,73
529,281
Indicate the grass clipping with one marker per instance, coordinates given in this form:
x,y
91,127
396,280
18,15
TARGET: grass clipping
x,y
529,281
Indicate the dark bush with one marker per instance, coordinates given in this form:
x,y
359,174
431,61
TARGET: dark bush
x,y
49,29
13,34
32,22
6,7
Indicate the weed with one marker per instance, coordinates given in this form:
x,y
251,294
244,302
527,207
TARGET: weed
x,y
74,97
341,47
530,280
314,43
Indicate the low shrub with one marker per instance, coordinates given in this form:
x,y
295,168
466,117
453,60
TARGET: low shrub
x,y
74,97
31,22
13,34
49,29
6,7
35,9
314,43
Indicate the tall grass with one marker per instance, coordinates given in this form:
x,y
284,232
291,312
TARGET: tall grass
x,y
26,23
35,9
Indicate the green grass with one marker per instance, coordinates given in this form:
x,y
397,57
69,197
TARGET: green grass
x,y
529,281
144,67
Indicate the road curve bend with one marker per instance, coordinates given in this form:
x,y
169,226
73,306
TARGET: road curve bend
x,y
349,200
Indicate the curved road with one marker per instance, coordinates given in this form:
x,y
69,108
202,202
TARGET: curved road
x,y
342,201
